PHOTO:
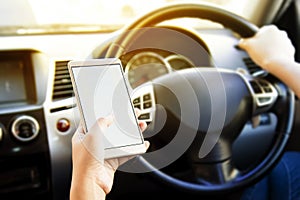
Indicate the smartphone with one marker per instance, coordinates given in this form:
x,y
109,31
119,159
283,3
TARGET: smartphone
x,y
101,90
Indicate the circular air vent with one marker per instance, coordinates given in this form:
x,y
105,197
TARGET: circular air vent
x,y
25,128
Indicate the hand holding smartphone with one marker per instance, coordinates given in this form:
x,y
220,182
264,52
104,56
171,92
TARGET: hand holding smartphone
x,y
101,90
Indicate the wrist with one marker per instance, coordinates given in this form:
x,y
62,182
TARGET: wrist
x,y
85,187
101,178
276,65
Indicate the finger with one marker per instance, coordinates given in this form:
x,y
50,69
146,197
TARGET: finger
x,y
94,139
100,125
142,125
123,160
147,145
243,43
268,28
80,128
104,122
78,135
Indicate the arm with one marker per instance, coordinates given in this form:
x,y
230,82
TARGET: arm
x,y
92,176
271,49
290,75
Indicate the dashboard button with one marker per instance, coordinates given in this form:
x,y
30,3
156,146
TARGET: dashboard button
x,y
63,125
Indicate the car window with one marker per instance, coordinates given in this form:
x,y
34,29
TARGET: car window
x,y
45,16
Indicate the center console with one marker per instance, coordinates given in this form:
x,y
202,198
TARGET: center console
x,y
25,170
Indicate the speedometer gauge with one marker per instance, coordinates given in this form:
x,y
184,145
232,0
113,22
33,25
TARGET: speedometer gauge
x,y
144,67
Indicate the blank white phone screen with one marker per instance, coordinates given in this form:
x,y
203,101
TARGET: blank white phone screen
x,y
102,92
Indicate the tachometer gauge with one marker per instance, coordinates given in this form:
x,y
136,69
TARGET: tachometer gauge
x,y
178,62
144,67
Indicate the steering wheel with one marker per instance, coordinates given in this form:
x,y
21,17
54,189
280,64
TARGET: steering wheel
x,y
209,108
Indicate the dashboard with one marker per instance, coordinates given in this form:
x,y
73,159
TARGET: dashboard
x,y
38,113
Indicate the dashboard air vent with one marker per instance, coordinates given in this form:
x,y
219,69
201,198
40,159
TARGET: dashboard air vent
x,y
253,68
62,82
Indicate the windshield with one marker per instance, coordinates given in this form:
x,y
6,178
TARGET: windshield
x,y
40,16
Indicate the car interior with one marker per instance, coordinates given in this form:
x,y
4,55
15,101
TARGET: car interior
x,y
217,122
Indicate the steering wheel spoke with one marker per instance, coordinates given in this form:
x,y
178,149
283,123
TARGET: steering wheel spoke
x,y
263,92
215,174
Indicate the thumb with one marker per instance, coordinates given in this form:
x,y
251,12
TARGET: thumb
x,y
122,160
243,43
147,144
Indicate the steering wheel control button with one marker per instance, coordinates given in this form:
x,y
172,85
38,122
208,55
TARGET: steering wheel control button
x,y
264,99
144,116
255,87
264,94
147,105
63,125
143,99
25,128
136,100
137,106
267,90
146,97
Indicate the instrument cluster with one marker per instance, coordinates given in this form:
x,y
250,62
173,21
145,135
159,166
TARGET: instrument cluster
x,y
147,65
